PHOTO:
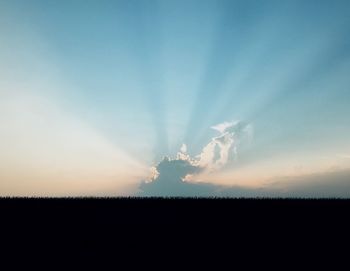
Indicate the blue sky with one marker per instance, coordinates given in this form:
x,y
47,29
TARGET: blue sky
x,y
137,79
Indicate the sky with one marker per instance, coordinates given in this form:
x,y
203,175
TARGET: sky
x,y
175,98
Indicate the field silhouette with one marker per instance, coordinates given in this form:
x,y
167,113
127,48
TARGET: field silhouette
x,y
84,226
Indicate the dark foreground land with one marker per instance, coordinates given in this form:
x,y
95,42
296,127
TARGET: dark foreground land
x,y
137,224
153,212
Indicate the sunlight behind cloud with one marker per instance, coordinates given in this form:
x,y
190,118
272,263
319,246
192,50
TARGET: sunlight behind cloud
x,y
92,97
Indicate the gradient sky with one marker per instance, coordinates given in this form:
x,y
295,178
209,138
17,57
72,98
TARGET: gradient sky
x,y
93,94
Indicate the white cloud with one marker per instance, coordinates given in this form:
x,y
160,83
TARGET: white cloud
x,y
221,127
173,176
183,148
206,158
217,153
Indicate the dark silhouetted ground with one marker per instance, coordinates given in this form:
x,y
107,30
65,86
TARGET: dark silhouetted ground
x,y
135,225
